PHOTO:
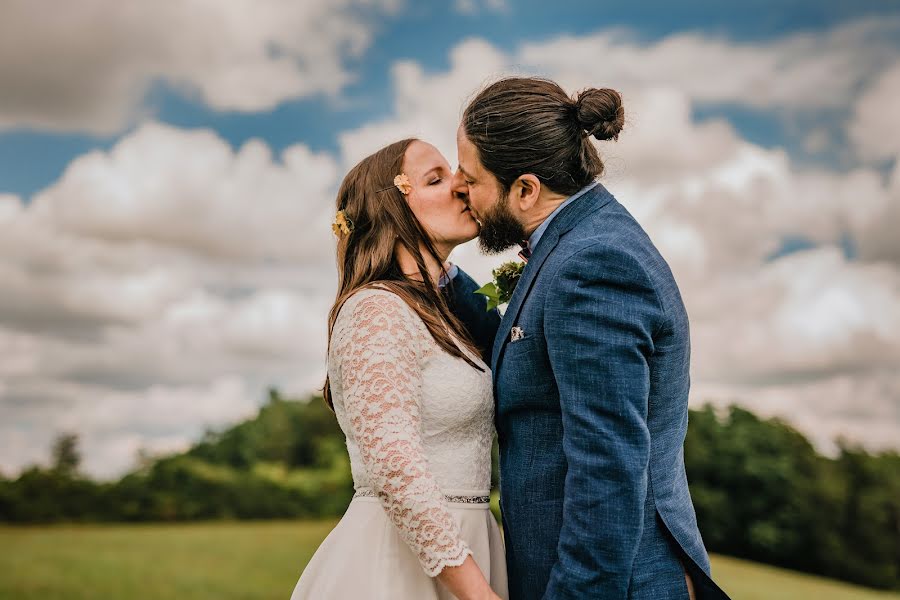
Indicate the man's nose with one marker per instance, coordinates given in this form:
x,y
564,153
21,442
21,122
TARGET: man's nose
x,y
459,187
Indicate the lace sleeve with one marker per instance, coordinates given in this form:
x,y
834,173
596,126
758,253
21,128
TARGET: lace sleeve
x,y
381,353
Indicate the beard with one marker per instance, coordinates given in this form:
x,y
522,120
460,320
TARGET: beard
x,y
500,230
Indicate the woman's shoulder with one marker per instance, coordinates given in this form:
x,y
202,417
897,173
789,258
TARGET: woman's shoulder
x,y
376,305
375,296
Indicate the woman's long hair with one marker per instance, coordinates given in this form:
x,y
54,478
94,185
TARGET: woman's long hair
x,y
381,218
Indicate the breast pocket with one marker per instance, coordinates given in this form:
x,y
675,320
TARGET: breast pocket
x,y
525,375
521,354
521,346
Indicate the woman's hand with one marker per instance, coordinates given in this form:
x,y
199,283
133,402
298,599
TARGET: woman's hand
x,y
466,582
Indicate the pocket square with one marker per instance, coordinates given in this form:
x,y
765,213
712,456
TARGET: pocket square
x,y
517,333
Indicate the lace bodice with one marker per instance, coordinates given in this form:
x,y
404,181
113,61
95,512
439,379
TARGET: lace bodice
x,y
418,421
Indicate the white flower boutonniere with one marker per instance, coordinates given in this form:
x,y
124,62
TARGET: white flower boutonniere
x,y
500,290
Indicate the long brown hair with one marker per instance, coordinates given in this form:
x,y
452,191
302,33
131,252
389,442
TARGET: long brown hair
x,y
381,218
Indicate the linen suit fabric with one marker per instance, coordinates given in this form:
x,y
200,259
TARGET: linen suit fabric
x,y
591,416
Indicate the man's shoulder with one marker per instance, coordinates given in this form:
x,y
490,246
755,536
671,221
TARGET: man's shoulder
x,y
598,248
611,244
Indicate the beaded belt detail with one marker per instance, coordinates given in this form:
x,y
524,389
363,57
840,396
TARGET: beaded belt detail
x,y
368,493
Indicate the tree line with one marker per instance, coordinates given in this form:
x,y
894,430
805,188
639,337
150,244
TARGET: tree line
x,y
760,489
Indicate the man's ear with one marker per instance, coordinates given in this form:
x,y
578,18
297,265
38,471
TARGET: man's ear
x,y
524,192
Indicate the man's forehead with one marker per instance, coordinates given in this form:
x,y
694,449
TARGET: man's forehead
x,y
462,142
467,157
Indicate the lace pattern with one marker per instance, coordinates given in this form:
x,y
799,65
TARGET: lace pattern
x,y
379,350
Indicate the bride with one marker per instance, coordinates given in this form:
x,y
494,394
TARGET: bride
x,y
410,392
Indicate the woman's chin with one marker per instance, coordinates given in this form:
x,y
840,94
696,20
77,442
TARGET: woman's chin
x,y
470,236
459,241
465,235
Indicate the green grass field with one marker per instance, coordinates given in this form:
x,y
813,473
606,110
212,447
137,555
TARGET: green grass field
x,y
254,560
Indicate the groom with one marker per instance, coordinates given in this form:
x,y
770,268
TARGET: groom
x,y
590,361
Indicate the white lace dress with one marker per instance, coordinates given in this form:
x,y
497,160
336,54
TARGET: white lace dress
x,y
419,424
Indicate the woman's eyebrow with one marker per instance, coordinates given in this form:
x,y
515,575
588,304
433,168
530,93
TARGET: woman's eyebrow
x,y
431,170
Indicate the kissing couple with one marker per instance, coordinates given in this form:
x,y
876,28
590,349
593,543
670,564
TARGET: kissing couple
x,y
585,376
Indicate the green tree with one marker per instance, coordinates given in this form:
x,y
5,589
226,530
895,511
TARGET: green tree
x,y
66,457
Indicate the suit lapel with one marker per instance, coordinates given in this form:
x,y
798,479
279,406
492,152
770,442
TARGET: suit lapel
x,y
561,223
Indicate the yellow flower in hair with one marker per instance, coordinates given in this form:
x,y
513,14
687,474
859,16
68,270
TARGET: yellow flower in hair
x,y
341,225
403,184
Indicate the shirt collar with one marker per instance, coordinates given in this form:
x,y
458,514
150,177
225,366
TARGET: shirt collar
x,y
539,232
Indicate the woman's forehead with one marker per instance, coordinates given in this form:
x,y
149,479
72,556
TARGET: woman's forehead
x,y
422,157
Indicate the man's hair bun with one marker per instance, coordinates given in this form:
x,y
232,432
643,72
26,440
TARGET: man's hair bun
x,y
600,113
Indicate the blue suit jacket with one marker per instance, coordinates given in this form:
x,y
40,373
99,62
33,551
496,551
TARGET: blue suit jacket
x,y
592,407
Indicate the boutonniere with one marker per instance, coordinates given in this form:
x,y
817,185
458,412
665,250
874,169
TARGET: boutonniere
x,y
500,290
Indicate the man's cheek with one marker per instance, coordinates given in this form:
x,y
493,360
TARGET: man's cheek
x,y
476,200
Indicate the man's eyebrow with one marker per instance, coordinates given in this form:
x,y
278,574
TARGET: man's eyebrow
x,y
464,172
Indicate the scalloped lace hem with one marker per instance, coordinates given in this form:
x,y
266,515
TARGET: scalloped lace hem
x,y
449,562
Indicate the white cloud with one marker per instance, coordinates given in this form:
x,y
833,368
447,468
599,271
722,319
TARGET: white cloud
x,y
173,266
428,106
703,176
863,410
797,72
159,288
124,235
805,315
87,66
10,206
466,7
719,206
474,7
875,129
188,189
160,418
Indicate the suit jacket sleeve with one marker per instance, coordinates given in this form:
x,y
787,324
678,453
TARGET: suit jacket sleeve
x,y
600,316
471,309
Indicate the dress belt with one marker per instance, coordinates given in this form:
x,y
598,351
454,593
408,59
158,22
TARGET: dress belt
x,y
370,493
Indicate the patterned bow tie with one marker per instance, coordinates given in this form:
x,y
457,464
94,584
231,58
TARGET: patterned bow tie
x,y
525,252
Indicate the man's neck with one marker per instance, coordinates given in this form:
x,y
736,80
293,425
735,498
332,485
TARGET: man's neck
x,y
543,208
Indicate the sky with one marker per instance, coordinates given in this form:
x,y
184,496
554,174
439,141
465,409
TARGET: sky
x,y
168,173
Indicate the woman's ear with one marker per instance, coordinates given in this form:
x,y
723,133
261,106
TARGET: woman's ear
x,y
524,191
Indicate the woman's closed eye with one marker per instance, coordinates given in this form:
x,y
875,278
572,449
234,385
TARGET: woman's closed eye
x,y
435,181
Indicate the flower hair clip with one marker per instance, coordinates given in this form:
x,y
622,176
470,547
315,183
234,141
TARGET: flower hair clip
x,y
402,183
342,225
